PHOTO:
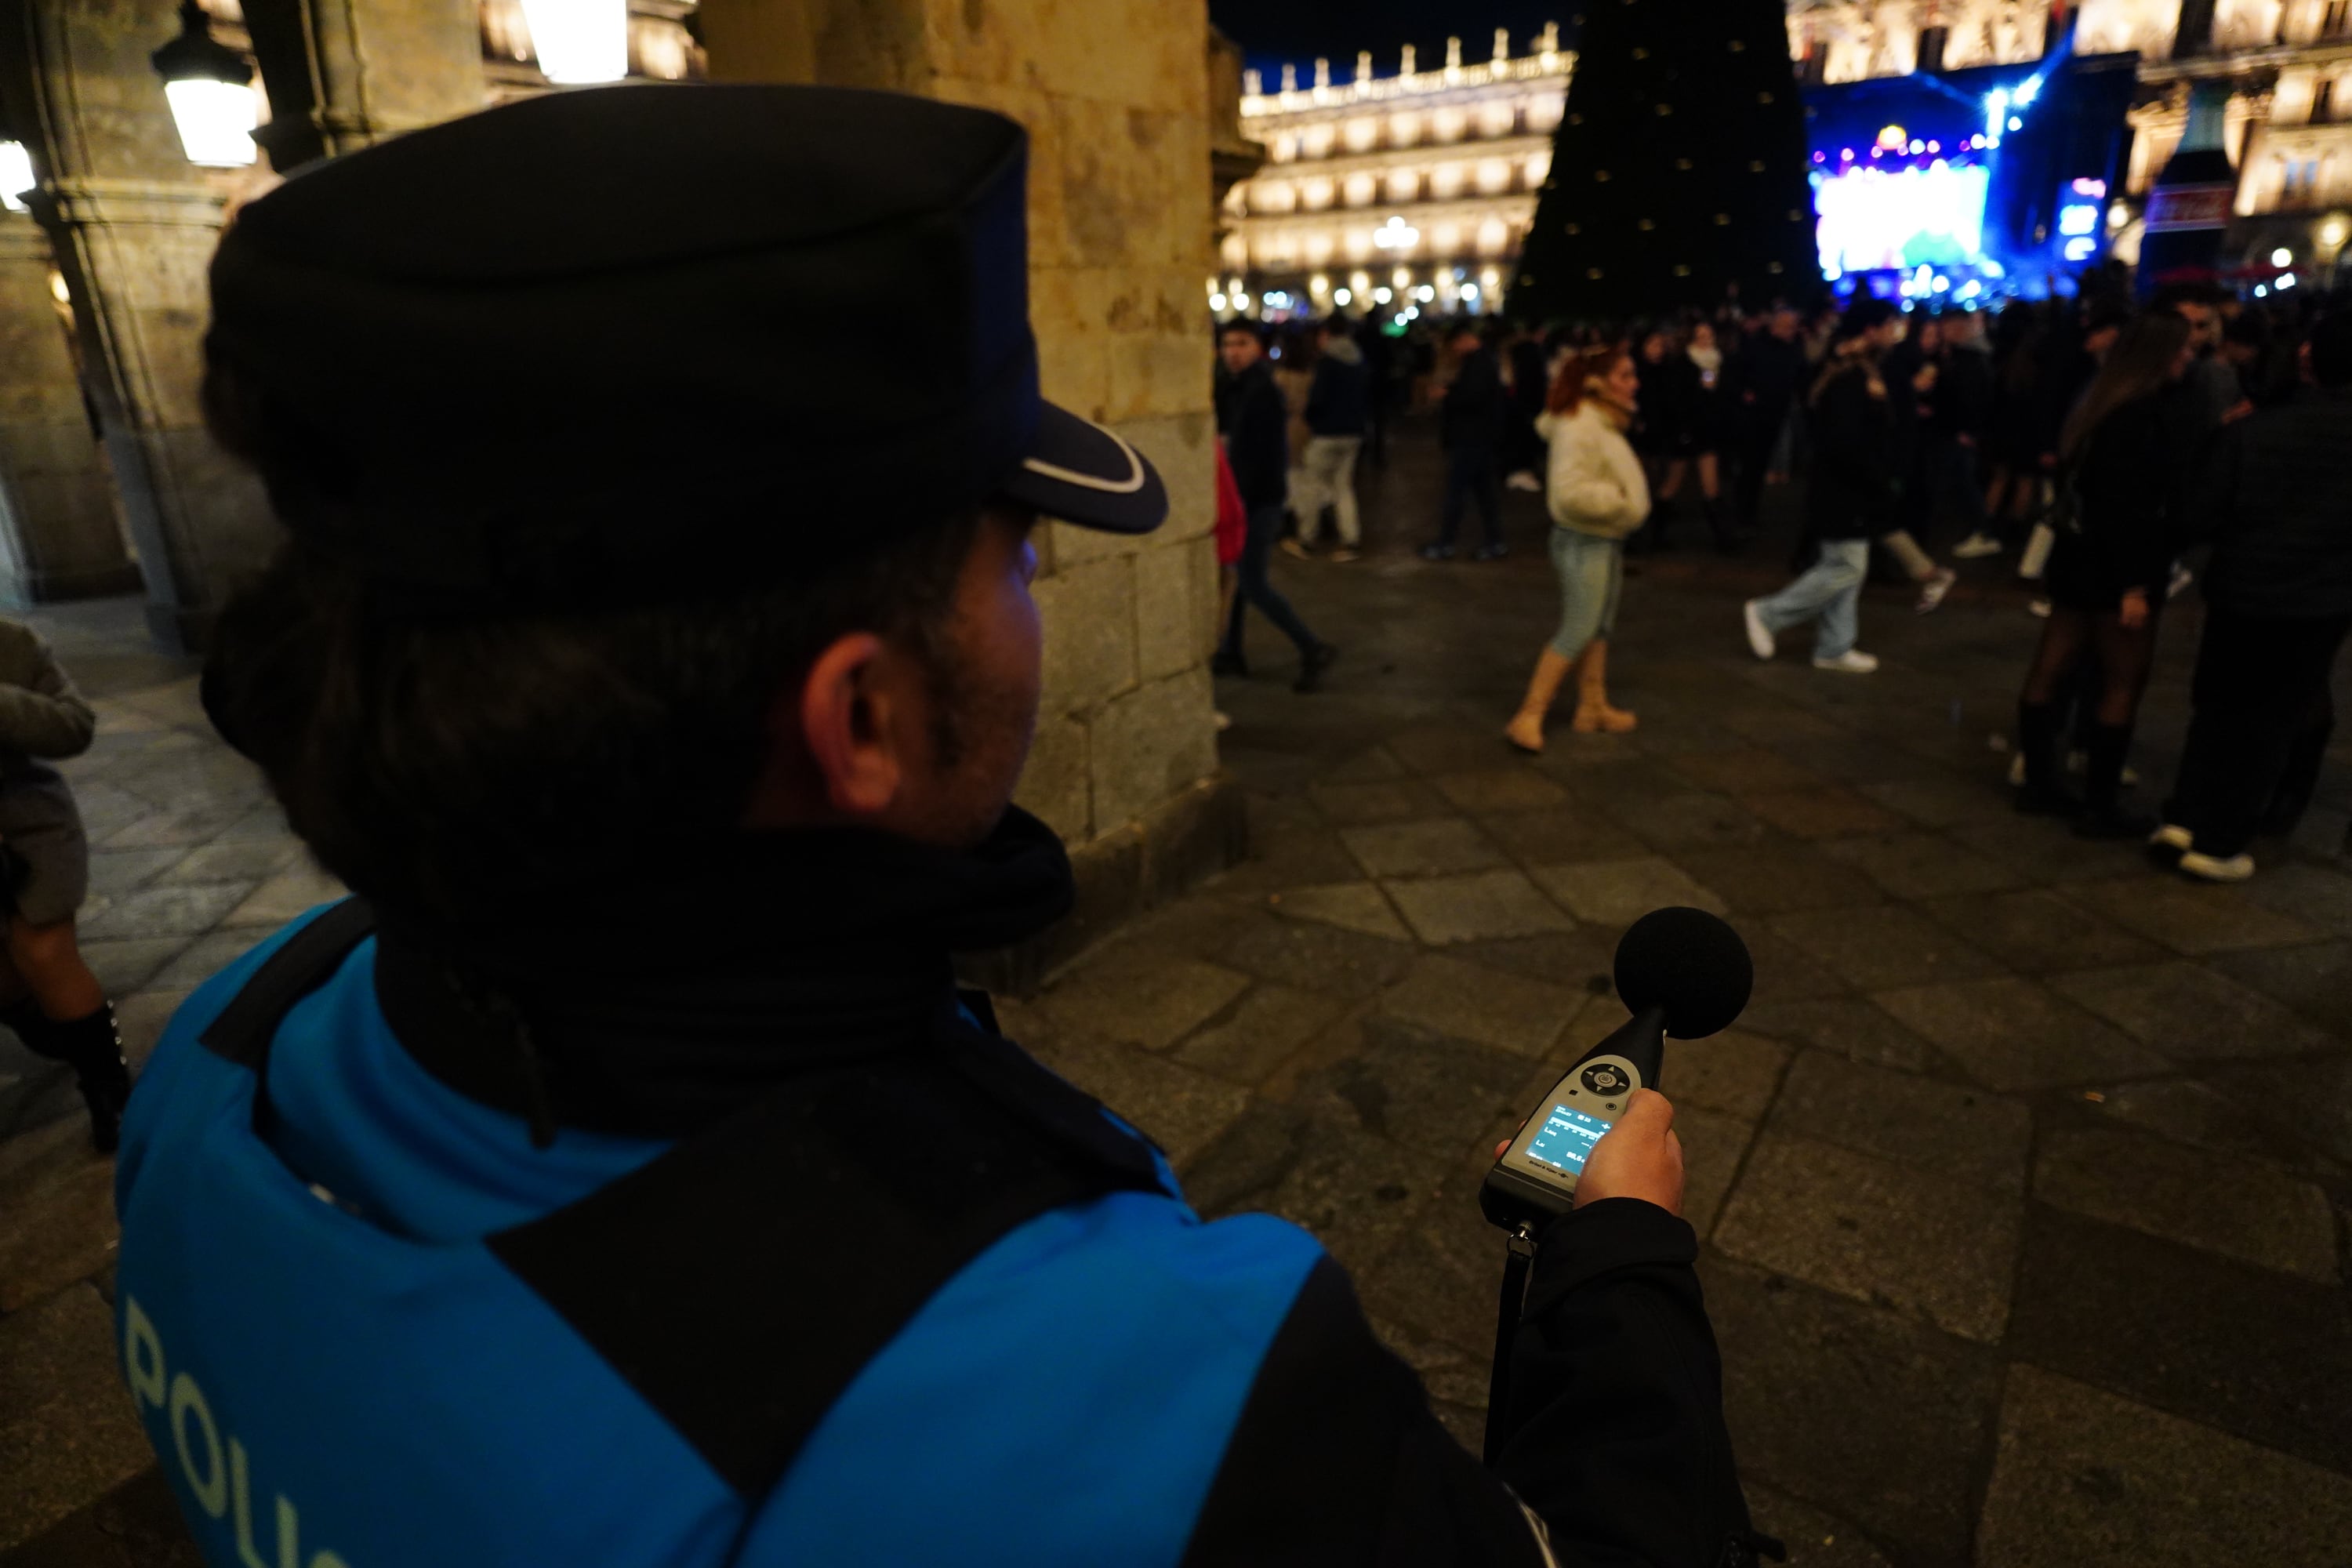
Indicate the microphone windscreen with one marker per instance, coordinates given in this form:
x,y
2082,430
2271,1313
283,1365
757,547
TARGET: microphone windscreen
x,y
1688,962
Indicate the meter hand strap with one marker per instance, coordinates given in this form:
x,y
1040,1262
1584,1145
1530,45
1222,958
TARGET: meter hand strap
x,y
1515,1266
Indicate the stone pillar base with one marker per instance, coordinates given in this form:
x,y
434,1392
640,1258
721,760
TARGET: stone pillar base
x,y
1148,863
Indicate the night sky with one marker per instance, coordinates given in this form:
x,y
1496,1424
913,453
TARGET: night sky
x,y
1273,31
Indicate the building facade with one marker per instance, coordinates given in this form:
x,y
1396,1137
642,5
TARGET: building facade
x,y
1392,192
2285,64
1399,191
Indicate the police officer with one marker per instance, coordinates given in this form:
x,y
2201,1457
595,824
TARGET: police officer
x,y
619,1177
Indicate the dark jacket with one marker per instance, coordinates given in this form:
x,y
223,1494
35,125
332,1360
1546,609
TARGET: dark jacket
x,y
1766,376
1961,401
1256,428
2129,476
41,716
1339,400
2277,506
1238,1407
1473,418
1855,456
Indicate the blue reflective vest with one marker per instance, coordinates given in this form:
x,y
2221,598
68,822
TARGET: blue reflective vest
x,y
337,1373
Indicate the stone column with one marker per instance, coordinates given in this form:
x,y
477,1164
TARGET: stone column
x,y
60,536
133,226
1116,99
343,74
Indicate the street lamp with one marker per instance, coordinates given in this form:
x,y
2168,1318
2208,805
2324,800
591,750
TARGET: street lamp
x,y
579,40
210,89
16,175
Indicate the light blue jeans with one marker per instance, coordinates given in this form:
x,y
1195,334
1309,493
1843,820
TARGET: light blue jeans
x,y
1831,591
1591,576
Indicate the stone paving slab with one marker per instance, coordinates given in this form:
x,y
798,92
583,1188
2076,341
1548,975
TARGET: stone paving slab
x,y
68,1432
2085,1479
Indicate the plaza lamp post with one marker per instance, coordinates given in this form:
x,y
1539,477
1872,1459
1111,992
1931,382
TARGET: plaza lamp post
x,y
210,89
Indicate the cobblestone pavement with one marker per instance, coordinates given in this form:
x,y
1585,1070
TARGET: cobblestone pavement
x,y
2025,1184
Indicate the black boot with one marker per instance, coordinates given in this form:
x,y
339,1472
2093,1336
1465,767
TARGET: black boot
x,y
2037,742
94,1048
2104,817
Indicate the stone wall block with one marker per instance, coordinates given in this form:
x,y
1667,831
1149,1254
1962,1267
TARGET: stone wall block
x,y
1179,446
1170,580
1090,614
1152,745
1058,783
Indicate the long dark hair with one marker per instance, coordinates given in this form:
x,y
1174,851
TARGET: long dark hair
x,y
2140,363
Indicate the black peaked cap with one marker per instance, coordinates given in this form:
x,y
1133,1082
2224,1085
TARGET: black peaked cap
x,y
628,343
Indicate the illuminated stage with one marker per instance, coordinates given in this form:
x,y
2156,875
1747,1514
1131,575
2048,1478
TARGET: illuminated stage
x,y
1970,185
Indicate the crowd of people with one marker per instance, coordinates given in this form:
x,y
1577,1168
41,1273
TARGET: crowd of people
x,y
2107,449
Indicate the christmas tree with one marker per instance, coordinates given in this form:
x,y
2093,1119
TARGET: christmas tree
x,y
1680,169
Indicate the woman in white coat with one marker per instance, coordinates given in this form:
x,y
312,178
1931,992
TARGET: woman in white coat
x,y
1598,495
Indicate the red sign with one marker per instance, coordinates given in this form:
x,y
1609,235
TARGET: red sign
x,y
2173,207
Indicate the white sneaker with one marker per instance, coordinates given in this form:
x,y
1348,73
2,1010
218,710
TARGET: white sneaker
x,y
2039,609
1852,661
2169,837
1294,549
1975,547
2208,869
1524,479
1932,592
2181,577
1760,636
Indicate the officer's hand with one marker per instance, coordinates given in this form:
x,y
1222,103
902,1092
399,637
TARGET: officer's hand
x,y
1640,1157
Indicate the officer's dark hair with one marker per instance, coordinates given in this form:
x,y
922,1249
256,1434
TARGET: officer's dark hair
x,y
1247,328
438,764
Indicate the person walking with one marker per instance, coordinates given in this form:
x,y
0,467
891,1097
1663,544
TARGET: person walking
x,y
1596,495
1529,385
1706,431
48,997
1339,408
1853,421
1768,374
1668,382
2277,509
2125,453
1912,369
1256,426
1471,425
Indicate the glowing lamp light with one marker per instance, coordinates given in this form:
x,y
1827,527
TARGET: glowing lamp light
x,y
1342,296
2282,282
1894,139
210,89
2333,232
2027,92
1470,292
2015,123
2262,290
579,40
1396,235
2281,257
16,175
2081,249
1241,301
1383,295
1216,302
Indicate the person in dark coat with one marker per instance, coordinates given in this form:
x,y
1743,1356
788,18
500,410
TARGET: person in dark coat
x,y
1526,454
1767,376
2277,508
1256,426
2124,456
1852,491
1472,424
48,997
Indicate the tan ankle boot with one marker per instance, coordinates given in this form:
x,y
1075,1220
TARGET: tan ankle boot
x,y
1526,731
1593,714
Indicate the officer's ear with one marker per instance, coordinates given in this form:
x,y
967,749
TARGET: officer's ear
x,y
833,738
